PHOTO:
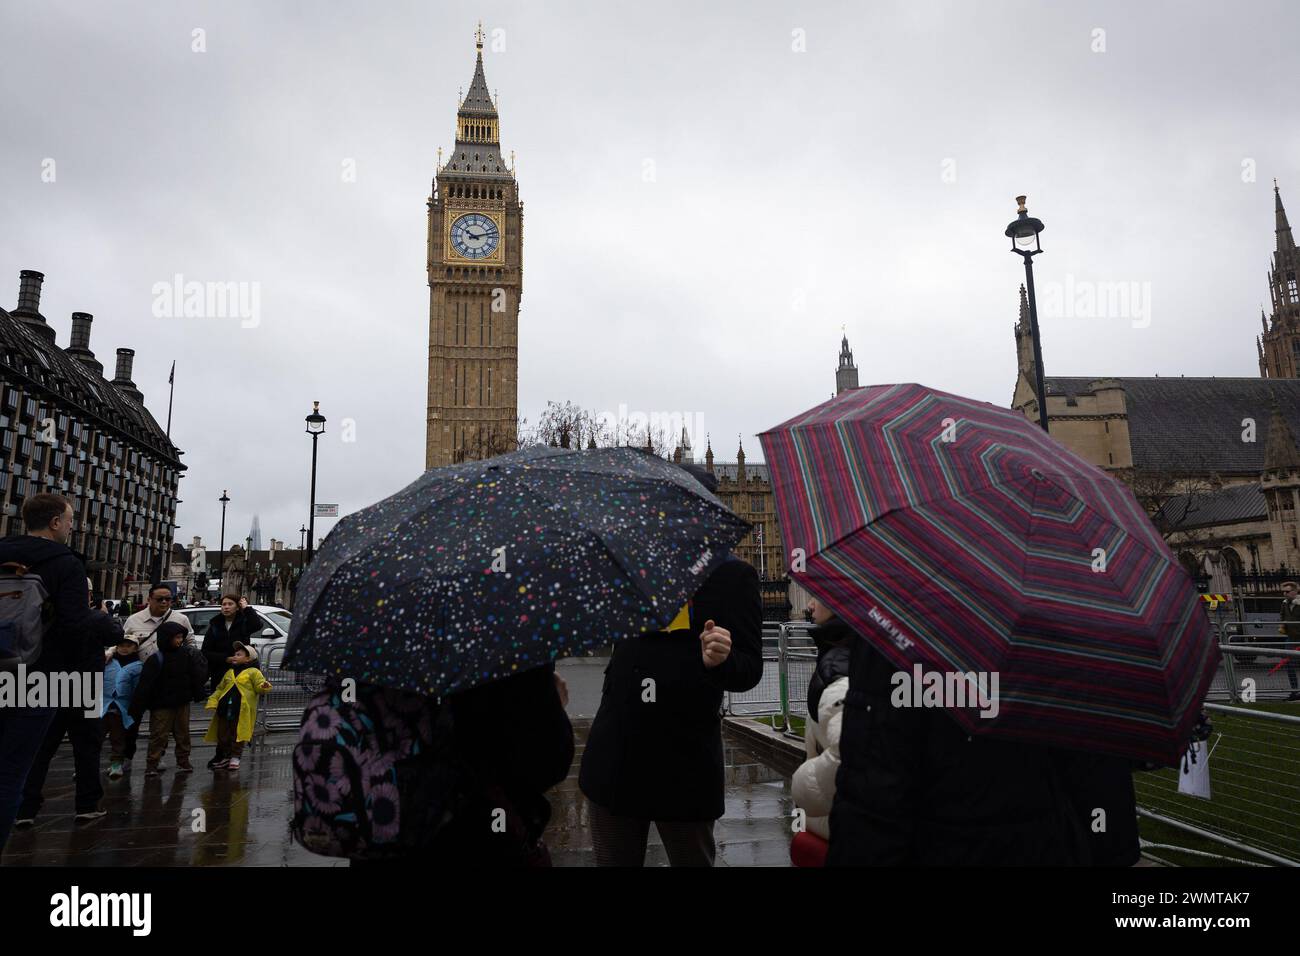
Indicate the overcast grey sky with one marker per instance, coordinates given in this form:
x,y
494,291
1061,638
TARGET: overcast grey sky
x,y
815,165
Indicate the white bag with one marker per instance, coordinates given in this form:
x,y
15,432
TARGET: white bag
x,y
1194,771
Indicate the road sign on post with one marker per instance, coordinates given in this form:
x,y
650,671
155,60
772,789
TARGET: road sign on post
x,y
327,511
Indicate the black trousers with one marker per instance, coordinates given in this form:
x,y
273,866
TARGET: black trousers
x,y
621,841
87,738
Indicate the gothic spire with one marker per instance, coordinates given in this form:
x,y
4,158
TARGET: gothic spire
x,y
846,375
478,102
1284,238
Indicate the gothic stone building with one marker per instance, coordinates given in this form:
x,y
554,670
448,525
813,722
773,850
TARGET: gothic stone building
x,y
1214,459
66,429
475,271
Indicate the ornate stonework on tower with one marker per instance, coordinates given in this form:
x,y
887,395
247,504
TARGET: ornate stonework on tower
x,y
1281,485
1279,346
475,284
846,376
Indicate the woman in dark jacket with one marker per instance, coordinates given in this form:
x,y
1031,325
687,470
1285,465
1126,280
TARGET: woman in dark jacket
x,y
813,784
236,622
914,789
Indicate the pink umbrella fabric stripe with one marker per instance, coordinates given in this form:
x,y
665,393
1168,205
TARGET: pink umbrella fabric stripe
x,y
958,535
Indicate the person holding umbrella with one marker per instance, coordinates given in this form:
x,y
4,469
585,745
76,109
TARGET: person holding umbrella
x,y
447,605
973,552
654,752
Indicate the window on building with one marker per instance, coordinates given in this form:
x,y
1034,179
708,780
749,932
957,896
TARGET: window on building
x,y
755,502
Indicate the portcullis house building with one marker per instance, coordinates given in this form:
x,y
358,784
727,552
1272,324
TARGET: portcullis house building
x,y
67,429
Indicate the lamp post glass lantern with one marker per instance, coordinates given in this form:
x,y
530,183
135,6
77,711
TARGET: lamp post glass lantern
x,y
1023,232
315,428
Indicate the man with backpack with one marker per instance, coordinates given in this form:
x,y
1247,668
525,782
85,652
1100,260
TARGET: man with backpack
x,y
87,736
50,629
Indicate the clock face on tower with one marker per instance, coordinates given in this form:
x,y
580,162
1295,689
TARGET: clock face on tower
x,y
475,236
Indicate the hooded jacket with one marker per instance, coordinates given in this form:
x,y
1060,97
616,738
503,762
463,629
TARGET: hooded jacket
x,y
77,635
813,784
120,682
172,677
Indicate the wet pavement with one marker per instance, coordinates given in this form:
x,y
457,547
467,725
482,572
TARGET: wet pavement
x,y
207,819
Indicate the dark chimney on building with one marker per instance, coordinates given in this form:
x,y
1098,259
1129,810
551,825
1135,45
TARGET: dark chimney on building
x,y
29,291
29,303
80,331
79,348
122,377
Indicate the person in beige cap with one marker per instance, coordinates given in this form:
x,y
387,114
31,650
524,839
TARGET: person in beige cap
x,y
235,703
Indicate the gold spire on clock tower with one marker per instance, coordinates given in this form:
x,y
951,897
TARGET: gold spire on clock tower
x,y
475,271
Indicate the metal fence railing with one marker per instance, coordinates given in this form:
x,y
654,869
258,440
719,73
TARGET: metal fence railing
x,y
1254,810
789,659
282,708
1254,805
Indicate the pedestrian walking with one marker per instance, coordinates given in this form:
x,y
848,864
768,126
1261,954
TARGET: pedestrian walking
x,y
237,623
1291,629
73,628
121,676
813,784
234,701
83,728
144,623
654,751
170,681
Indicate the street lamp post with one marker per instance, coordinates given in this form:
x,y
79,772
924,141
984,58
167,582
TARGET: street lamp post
x,y
315,428
221,548
1023,233
302,543
248,566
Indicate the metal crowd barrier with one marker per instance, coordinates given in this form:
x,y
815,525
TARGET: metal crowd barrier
x,y
789,659
282,708
1254,652
1253,814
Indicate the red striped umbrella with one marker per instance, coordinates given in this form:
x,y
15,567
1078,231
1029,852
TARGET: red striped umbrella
x,y
959,537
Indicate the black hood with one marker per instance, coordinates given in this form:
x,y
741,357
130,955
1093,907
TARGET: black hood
x,y
30,549
831,633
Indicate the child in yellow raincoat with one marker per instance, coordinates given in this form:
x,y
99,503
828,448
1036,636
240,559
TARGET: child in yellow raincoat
x,y
235,703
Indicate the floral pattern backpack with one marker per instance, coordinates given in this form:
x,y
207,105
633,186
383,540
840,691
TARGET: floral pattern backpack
x,y
375,777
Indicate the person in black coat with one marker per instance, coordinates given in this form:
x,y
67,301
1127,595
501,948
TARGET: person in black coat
x,y
236,622
85,731
1096,782
76,636
654,751
914,789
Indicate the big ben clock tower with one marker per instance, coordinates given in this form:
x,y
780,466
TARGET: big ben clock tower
x,y
475,283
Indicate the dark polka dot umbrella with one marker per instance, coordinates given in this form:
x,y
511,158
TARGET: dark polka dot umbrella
x,y
477,571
